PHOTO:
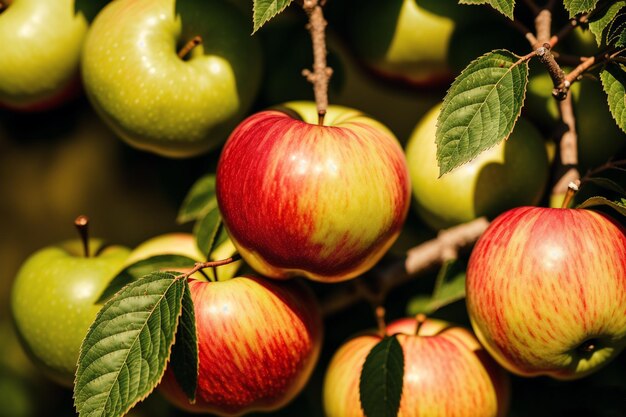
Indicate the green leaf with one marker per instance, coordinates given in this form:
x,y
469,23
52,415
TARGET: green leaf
x,y
449,288
481,108
184,358
207,231
614,82
575,7
124,354
607,184
264,10
143,267
616,30
503,6
602,17
199,200
618,206
380,386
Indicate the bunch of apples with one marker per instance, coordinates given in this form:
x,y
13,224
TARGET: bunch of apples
x,y
324,201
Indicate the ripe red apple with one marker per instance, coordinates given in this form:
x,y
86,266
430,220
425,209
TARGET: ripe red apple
x,y
546,291
325,201
446,373
258,342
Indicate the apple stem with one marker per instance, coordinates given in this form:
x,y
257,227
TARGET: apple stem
x,y
572,188
82,224
195,41
420,318
320,76
380,320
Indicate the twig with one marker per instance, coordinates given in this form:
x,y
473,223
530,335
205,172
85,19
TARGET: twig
x,y
571,25
445,246
554,69
210,264
567,165
533,6
543,27
320,76
524,30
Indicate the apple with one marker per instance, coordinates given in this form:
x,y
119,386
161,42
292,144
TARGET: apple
x,y
41,45
446,373
513,173
184,244
297,198
546,290
258,342
420,42
157,101
599,138
53,301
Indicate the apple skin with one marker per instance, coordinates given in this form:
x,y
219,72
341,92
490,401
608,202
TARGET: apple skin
x,y
258,342
511,174
41,46
325,202
419,43
446,373
543,282
185,244
53,302
156,101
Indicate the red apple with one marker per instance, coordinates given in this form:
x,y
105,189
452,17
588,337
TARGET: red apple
x,y
325,201
258,342
446,373
546,291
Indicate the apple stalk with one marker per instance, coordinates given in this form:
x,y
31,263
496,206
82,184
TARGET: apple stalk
x,y
195,41
82,224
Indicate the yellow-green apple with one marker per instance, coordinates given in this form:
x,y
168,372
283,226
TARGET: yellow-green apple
x,y
185,244
258,342
419,42
41,45
446,373
53,301
156,100
599,138
297,198
510,174
546,291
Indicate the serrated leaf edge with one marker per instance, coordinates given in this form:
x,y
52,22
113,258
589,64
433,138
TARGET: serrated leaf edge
x,y
267,16
167,360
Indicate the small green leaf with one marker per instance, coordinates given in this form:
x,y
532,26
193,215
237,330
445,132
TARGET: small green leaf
x,y
618,206
380,386
207,231
143,267
602,17
449,288
616,30
184,358
614,82
503,6
481,108
575,7
199,200
124,354
607,184
264,10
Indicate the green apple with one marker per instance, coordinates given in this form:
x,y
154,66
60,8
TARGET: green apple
x,y
185,244
41,44
53,301
599,138
511,174
154,99
420,42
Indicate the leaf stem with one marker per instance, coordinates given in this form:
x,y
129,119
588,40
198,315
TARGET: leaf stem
x,y
210,264
320,76
82,224
195,41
